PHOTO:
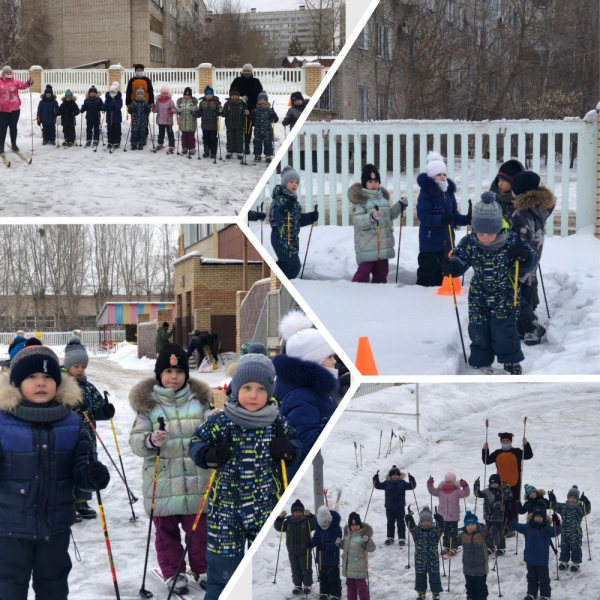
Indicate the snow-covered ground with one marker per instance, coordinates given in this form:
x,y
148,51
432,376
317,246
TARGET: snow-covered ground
x,y
414,331
560,429
80,182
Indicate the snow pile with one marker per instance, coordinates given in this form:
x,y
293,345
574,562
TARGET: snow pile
x,y
452,432
125,355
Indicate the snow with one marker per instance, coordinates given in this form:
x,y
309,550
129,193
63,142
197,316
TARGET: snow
x,y
452,432
79,182
413,331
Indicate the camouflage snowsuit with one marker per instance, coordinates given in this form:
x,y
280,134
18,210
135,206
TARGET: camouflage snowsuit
x,y
572,536
235,122
263,118
427,560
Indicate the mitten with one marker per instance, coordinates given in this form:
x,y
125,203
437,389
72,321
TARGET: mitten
x,y
282,514
315,215
307,513
245,99
217,457
517,251
412,480
430,481
376,215
438,517
450,268
447,218
109,410
281,449
246,112
97,474
365,538
157,439
170,112
376,477
584,499
467,220
476,484
552,498
470,211
463,483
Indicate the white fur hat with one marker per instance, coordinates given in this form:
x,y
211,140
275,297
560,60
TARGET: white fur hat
x,y
114,87
302,340
435,164
324,517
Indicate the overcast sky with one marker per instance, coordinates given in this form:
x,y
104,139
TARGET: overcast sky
x,y
266,5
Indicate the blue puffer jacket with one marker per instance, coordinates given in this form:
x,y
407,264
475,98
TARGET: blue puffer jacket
x,y
330,556
40,462
537,541
432,204
304,389
47,109
395,491
113,107
92,107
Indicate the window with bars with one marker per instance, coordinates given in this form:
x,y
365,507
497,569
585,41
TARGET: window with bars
x,y
363,38
156,25
384,41
363,103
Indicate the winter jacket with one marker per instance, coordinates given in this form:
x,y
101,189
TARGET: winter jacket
x,y
263,118
208,111
537,541
285,234
449,502
234,114
139,82
9,93
354,559
298,531
68,110
505,200
528,505
181,484
432,204
304,389
140,113
47,109
188,114
204,338
162,108
40,464
426,546
572,515
112,107
366,243
475,554
494,502
92,107
250,87
395,491
293,114
508,462
328,553
491,291
162,337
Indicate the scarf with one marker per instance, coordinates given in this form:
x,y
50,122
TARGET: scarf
x,y
443,185
250,420
333,371
41,413
372,194
495,245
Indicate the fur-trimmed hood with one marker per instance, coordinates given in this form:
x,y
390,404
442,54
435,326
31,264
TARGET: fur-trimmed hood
x,y
356,195
429,185
454,484
68,393
304,373
540,492
64,98
142,400
541,198
548,519
402,478
98,96
194,101
43,97
365,529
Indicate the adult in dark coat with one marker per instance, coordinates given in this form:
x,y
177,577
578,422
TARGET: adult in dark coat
x,y
249,88
201,339
137,81
162,336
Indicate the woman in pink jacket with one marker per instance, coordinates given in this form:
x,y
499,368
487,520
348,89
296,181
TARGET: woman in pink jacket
x,y
10,105
450,494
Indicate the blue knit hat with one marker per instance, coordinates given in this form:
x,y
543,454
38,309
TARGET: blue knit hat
x,y
34,359
471,518
256,368
209,90
15,346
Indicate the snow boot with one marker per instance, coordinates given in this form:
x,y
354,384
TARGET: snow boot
x,y
401,543
323,597
306,590
15,148
296,591
436,597
228,156
115,146
563,566
192,152
529,597
78,518
184,151
95,143
89,143
543,598
241,156
388,542
206,152
109,146
533,338
268,159
513,369
214,156
199,578
181,587
445,552
70,145
171,149
85,511
575,568
257,158
44,143
500,552
510,532
65,143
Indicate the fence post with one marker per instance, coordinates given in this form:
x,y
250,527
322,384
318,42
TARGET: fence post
x,y
36,73
205,76
314,76
598,177
115,73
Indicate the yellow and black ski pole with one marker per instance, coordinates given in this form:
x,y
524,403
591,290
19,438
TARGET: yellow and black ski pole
x,y
378,238
516,286
284,475
462,341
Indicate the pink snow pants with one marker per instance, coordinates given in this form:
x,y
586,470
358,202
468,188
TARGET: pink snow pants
x,y
379,268
357,588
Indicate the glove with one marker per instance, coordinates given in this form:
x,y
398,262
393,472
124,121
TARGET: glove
x,y
450,268
556,519
315,215
338,542
470,211
412,480
407,519
517,251
376,478
245,99
463,483
246,112
282,514
447,218
365,538
467,220
430,481
220,109
109,410
217,457
376,215
552,498
97,474
281,449
476,484
584,499
39,121
307,513
285,122
158,438
288,207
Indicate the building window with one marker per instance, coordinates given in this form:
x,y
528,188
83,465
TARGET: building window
x,y
449,67
156,53
172,37
382,108
158,3
156,25
478,35
461,17
471,74
493,84
449,11
363,103
431,4
363,38
384,41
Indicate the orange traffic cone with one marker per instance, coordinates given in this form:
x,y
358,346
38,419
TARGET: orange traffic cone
x,y
365,362
446,289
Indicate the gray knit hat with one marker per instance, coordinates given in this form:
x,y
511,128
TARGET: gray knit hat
x,y
5,69
263,95
75,353
257,368
34,359
574,491
287,174
487,215
425,514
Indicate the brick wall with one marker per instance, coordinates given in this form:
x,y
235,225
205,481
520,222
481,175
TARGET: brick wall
x,y
146,339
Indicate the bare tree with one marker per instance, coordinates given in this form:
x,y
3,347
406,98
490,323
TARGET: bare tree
x,y
326,16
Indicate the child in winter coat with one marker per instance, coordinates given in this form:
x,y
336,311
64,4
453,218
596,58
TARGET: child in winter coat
x,y
427,560
532,205
531,498
187,109
496,499
492,254
450,494
572,511
245,491
298,528
294,112
395,488
46,115
306,378
357,543
68,110
438,217
182,403
263,117
139,110
208,110
165,109
235,112
113,103
286,218
327,532
45,453
477,543
92,404
502,186
372,216
538,534
92,107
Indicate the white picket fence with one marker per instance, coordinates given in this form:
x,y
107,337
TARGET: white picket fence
x,y
463,143
90,339
274,81
176,79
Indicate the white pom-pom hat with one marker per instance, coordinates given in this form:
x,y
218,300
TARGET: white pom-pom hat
x,y
302,340
435,164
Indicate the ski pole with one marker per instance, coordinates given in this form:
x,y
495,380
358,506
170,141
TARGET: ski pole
x,y
143,591
399,241
401,440
361,447
465,499
111,133
100,133
31,112
307,245
279,550
380,435
440,541
178,135
378,239
555,539
288,230
371,496
412,487
512,360
262,209
128,132
462,341
284,475
187,545
133,515
544,289
587,533
497,568
408,525
219,137
389,448
80,130
431,497
57,132
308,549
487,453
355,454
521,477
197,141
450,531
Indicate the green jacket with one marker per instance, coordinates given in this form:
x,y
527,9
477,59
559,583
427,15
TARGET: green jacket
x,y
354,561
162,337
188,114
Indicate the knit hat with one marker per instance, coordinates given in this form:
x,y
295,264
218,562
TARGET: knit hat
x,y
139,91
297,96
471,518
354,519
248,67
487,215
234,91
450,477
188,90
114,87
525,181
509,169
93,90
209,90
287,174
257,348
35,359
324,517
495,478
172,356
504,435
394,471
302,340
539,510
263,96
574,491
33,341
529,489
68,94
425,514
369,173
435,164
48,90
298,506
257,368
165,89
138,67
15,346
75,353
165,324
6,69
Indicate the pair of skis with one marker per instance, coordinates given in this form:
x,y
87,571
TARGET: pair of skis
x,y
23,158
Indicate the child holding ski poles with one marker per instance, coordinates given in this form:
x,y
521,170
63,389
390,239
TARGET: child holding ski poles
x,y
92,107
286,218
532,497
493,254
295,110
68,110
50,453
263,117
46,115
372,217
496,501
165,109
246,491
182,403
139,110
477,544
325,540
235,111
113,103
208,111
187,109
